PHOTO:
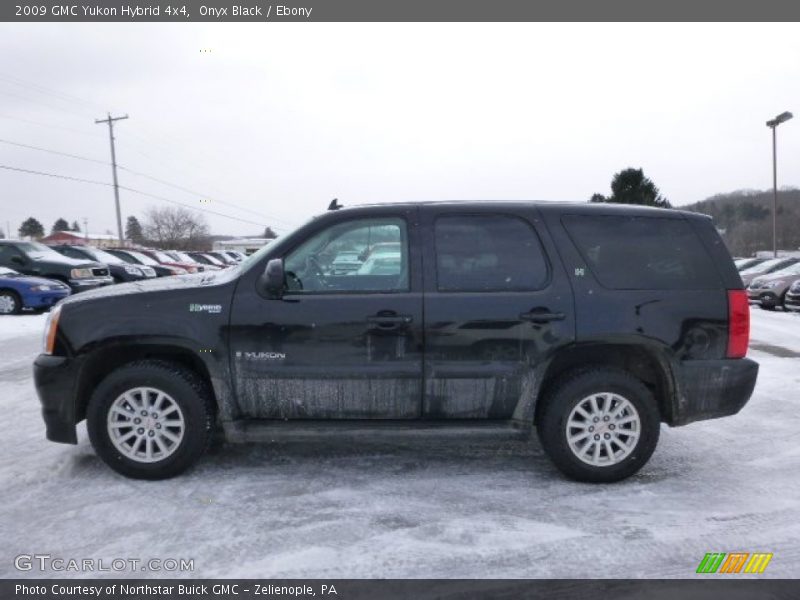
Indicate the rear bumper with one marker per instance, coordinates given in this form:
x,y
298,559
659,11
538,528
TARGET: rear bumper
x,y
54,377
709,389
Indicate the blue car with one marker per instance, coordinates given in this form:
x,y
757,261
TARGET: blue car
x,y
19,291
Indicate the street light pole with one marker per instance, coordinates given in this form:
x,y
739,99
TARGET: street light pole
x,y
773,124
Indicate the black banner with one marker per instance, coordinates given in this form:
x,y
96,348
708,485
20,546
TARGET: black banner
x,y
417,589
400,10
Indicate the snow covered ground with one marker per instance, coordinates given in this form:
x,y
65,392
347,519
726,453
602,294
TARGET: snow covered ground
x,y
427,509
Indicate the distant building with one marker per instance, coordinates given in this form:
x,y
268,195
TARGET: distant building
x,y
245,245
76,238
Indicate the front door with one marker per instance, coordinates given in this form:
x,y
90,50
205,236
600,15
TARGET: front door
x,y
345,341
496,304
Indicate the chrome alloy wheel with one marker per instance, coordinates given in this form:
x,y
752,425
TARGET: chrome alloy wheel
x,y
603,429
8,304
145,424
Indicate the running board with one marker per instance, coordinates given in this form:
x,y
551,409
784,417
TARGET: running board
x,y
374,430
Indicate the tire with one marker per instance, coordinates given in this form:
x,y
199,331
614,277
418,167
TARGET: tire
x,y
10,302
631,442
155,446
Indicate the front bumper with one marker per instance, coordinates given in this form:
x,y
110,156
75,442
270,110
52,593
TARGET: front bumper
x,y
792,301
81,285
55,377
765,298
709,389
44,299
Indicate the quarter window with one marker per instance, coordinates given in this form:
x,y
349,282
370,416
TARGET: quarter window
x,y
488,253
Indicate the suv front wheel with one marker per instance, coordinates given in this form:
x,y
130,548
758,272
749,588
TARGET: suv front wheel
x,y
599,425
150,419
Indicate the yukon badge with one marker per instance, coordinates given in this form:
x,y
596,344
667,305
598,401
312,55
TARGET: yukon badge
x,y
212,309
261,355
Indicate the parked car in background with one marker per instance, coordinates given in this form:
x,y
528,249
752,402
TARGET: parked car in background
x,y
210,262
380,248
166,260
222,257
120,270
181,257
137,258
792,300
765,268
345,262
746,263
33,258
384,263
235,255
18,291
769,291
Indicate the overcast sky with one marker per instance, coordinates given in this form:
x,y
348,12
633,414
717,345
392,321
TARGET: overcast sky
x,y
278,119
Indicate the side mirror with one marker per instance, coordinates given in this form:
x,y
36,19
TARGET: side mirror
x,y
273,281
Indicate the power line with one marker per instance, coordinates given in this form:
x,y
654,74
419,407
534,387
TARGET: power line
x,y
67,154
62,96
146,176
132,190
50,126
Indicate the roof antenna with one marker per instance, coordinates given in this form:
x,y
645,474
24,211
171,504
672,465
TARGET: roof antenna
x,y
334,205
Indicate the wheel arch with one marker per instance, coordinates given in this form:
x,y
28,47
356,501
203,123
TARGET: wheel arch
x,y
647,362
102,360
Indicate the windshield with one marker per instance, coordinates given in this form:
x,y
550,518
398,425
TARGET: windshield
x,y
161,257
764,266
143,258
39,251
791,270
104,257
214,260
182,256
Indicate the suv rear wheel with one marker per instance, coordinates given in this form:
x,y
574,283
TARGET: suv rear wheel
x,y
150,419
599,425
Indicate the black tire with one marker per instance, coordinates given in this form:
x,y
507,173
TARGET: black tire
x,y
183,386
14,299
567,393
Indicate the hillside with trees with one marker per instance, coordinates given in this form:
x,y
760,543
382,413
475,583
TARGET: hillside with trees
x,y
744,218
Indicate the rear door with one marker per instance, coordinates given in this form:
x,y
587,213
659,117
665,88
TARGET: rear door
x,y
496,304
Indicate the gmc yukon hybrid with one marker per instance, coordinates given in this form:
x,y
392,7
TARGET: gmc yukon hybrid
x,y
592,323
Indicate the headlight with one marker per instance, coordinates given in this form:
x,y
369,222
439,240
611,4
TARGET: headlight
x,y
132,271
177,271
80,273
40,288
50,329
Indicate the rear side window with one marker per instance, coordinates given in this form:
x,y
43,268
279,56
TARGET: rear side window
x,y
645,253
488,253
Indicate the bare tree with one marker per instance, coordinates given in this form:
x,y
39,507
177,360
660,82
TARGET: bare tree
x,y
176,228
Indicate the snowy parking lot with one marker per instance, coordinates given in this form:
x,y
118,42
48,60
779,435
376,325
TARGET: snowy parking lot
x,y
416,509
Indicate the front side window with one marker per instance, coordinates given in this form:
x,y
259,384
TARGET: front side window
x,y
488,253
343,258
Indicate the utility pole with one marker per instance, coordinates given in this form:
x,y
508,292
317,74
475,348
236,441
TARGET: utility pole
x,y
86,230
110,120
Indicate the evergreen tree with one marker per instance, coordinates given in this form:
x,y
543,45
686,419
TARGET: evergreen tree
x,y
60,225
630,186
31,228
133,230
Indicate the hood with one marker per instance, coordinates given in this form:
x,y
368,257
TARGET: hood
x,y
77,263
31,280
161,284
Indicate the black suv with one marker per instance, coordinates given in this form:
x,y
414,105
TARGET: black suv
x,y
33,258
593,323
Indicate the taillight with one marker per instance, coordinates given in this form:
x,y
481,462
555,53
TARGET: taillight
x,y
738,323
50,330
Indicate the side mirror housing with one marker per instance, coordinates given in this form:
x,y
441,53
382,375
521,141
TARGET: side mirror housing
x,y
273,281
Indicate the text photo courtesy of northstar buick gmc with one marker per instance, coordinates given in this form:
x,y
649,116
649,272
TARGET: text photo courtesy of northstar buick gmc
x,y
593,324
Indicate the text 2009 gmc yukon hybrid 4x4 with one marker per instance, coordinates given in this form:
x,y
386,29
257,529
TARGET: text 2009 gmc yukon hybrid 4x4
x,y
593,323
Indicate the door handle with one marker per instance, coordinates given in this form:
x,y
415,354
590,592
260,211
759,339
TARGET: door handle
x,y
390,321
543,316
